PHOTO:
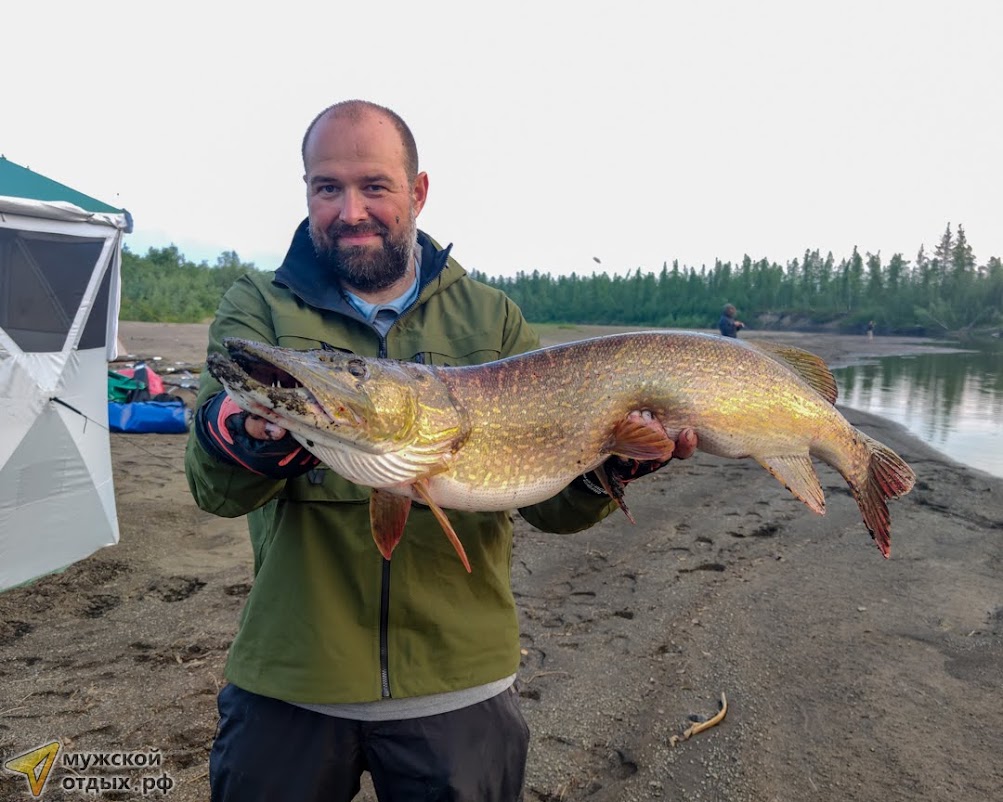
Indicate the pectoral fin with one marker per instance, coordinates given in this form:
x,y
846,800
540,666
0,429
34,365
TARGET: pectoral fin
x,y
387,516
421,487
641,438
797,474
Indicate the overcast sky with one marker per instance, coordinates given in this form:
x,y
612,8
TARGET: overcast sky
x,y
553,132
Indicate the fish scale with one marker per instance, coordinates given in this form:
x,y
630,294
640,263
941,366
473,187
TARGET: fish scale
x,y
563,391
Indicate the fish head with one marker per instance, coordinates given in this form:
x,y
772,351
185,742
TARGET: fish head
x,y
335,398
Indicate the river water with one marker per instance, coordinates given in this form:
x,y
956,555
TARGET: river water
x,y
953,402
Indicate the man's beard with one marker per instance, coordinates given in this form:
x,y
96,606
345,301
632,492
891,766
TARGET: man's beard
x,y
364,268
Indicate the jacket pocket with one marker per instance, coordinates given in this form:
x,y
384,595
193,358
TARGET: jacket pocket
x,y
306,330
471,349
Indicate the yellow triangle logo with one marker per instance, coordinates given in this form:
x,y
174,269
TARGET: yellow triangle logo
x,y
35,766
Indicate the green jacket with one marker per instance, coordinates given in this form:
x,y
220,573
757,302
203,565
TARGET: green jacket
x,y
329,620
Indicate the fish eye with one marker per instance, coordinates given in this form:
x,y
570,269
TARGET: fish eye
x,y
358,368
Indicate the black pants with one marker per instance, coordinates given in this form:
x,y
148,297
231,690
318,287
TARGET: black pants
x,y
273,751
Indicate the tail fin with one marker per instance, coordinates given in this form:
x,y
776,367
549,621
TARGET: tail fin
x,y
888,476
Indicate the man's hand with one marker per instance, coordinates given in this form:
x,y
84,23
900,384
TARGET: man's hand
x,y
624,471
261,429
615,473
232,435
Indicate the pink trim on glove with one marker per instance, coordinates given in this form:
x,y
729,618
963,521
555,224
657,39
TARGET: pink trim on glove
x,y
221,434
226,409
289,457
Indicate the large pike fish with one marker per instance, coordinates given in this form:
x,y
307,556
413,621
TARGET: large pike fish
x,y
514,432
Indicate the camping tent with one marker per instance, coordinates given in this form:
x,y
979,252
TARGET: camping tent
x,y
60,255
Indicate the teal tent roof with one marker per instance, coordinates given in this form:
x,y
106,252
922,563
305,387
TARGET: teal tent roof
x,y
20,182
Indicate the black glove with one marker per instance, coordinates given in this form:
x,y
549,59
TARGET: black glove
x,y
625,471
219,426
620,472
610,478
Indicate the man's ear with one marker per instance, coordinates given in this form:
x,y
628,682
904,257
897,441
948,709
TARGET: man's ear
x,y
419,192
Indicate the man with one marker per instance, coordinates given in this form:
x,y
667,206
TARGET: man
x,y
343,661
728,326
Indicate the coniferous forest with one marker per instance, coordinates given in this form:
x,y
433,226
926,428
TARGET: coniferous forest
x,y
945,290
164,287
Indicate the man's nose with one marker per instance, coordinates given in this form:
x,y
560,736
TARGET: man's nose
x,y
353,208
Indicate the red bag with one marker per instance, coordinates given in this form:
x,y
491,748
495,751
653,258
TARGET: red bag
x,y
144,373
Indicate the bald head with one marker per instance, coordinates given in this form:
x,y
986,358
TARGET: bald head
x,y
354,111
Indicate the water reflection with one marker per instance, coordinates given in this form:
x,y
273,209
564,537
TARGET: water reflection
x,y
953,402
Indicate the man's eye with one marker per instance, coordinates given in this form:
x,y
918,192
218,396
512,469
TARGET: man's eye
x,y
326,189
376,188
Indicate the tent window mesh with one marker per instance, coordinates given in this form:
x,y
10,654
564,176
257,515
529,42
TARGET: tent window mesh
x,y
43,278
96,330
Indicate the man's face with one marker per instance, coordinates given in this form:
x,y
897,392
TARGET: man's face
x,y
362,208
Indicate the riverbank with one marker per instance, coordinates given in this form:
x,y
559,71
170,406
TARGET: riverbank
x,y
848,677
838,350
185,342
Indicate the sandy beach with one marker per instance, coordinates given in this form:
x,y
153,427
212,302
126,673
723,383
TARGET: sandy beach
x,y
848,677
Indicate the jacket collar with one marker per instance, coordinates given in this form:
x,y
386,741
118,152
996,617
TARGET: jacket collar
x,y
310,281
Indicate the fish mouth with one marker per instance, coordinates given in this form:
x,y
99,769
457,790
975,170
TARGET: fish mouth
x,y
268,384
243,368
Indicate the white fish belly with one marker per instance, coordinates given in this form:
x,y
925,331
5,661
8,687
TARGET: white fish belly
x,y
452,494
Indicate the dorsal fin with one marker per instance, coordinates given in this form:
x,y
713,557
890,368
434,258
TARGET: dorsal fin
x,y
807,365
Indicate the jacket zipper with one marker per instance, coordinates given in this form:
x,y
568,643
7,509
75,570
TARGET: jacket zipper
x,y
384,598
385,592
385,577
384,626
442,257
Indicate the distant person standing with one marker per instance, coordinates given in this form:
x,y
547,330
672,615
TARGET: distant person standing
x,y
870,329
728,325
